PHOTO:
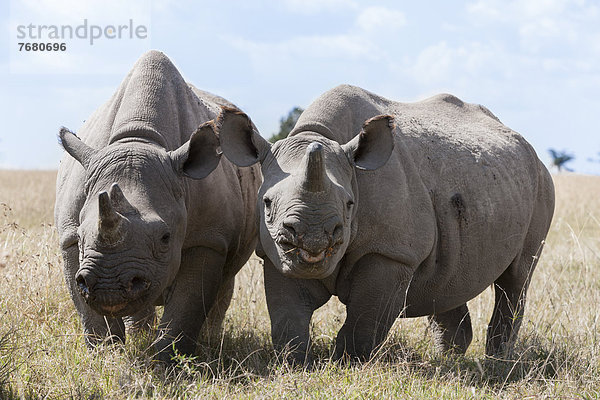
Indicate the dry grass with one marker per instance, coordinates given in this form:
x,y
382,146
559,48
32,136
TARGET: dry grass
x,y
42,352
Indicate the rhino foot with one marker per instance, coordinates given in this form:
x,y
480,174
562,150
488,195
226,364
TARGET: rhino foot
x,y
452,331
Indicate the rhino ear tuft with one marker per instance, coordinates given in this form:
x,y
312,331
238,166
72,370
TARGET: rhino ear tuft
x,y
75,147
198,157
373,146
240,141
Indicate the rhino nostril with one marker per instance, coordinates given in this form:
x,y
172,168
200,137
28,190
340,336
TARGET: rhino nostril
x,y
83,288
338,232
333,228
291,230
85,283
137,286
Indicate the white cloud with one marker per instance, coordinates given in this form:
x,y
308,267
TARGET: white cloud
x,y
491,63
484,9
515,10
543,8
316,6
357,44
376,18
339,47
540,23
442,63
433,64
166,6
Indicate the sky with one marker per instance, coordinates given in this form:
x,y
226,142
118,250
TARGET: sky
x,y
535,64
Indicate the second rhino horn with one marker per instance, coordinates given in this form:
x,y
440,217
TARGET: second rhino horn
x,y
314,176
119,201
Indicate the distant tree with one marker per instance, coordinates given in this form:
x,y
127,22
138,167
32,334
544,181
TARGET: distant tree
x,y
595,159
560,158
286,124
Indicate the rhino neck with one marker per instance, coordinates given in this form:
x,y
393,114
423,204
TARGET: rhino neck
x,y
139,132
155,103
313,128
339,113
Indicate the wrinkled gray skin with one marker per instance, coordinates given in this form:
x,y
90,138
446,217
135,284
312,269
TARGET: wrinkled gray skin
x,y
412,219
134,230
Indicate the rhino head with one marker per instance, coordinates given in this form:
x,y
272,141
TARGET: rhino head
x,y
133,221
308,200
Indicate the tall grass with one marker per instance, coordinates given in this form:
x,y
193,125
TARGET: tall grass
x,y
43,355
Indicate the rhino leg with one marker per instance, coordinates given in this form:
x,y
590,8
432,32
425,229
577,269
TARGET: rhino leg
x,y
510,290
506,319
191,298
213,327
376,297
97,328
452,329
291,303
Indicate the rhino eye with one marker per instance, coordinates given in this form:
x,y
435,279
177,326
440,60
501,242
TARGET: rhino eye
x,y
268,214
165,238
267,202
349,204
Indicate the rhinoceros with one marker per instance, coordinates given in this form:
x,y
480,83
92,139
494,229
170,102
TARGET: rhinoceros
x,y
134,231
398,209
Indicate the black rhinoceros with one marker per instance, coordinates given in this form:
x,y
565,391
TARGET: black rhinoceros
x,y
134,231
412,219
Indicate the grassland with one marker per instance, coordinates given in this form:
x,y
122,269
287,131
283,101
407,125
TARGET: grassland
x,y
43,355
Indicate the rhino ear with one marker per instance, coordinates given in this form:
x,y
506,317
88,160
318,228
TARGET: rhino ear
x,y
372,147
75,147
240,141
198,157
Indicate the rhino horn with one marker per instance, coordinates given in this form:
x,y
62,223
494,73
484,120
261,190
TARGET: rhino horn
x,y
110,221
314,178
119,201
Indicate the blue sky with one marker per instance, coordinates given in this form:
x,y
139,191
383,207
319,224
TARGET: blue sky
x,y
535,63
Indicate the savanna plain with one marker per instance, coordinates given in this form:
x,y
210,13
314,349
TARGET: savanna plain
x,y
43,354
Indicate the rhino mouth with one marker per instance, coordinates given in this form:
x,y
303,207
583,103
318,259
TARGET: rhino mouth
x,y
111,310
117,307
302,263
308,257
115,297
